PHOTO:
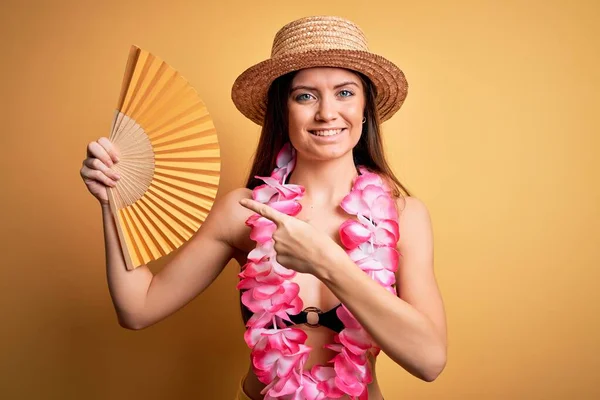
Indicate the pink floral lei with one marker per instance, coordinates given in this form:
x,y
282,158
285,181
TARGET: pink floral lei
x,y
278,354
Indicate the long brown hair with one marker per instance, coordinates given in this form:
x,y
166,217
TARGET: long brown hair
x,y
368,152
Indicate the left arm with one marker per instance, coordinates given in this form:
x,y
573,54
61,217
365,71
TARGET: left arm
x,y
411,328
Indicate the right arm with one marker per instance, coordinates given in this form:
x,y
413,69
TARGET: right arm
x,y
139,297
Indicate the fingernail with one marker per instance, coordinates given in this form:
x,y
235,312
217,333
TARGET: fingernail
x,y
118,176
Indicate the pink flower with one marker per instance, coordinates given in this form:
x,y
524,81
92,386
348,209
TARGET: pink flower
x,y
262,228
285,340
354,204
271,363
264,193
286,192
357,341
274,184
383,207
286,156
369,178
267,271
285,388
325,376
353,234
262,250
269,302
372,202
379,262
289,207
352,371
310,390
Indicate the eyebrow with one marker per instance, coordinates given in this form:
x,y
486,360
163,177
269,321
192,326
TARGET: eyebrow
x,y
339,85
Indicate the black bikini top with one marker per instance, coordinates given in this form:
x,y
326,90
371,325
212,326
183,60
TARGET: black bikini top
x,y
328,319
310,316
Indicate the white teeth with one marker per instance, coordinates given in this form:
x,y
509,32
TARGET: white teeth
x,y
329,132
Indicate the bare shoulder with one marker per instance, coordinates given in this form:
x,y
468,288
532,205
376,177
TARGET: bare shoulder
x,y
411,210
414,222
230,201
228,216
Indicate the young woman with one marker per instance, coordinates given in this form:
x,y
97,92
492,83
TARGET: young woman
x,y
336,256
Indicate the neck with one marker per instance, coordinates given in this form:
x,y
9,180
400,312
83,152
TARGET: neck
x,y
325,182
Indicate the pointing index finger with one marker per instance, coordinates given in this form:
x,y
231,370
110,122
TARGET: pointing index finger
x,y
264,209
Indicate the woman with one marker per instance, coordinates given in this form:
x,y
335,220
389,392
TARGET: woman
x,y
324,274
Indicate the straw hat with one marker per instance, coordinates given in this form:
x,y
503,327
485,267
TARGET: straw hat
x,y
322,41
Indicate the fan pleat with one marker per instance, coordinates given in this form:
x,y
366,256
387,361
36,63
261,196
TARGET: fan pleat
x,y
186,132
168,103
182,185
176,209
175,150
206,153
197,116
133,236
207,161
157,229
141,228
187,203
154,78
179,116
185,141
135,92
169,160
172,219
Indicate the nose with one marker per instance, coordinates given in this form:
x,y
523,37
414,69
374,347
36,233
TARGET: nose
x,y
326,111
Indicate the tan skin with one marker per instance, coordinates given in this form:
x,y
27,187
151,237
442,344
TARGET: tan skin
x,y
410,328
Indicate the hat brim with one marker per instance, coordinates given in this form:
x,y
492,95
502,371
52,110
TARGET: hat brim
x,y
249,92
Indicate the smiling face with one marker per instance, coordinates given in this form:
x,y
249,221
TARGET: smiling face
x,y
326,109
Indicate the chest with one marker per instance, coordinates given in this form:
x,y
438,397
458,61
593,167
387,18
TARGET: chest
x,y
326,219
313,292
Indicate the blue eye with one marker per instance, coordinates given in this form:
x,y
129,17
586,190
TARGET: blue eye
x,y
303,97
346,93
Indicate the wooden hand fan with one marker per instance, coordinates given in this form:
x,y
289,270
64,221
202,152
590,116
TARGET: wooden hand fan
x,y
169,160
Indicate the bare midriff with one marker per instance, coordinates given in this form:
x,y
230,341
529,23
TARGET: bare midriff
x,y
317,338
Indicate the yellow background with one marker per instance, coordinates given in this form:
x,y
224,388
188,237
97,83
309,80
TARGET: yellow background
x,y
498,136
